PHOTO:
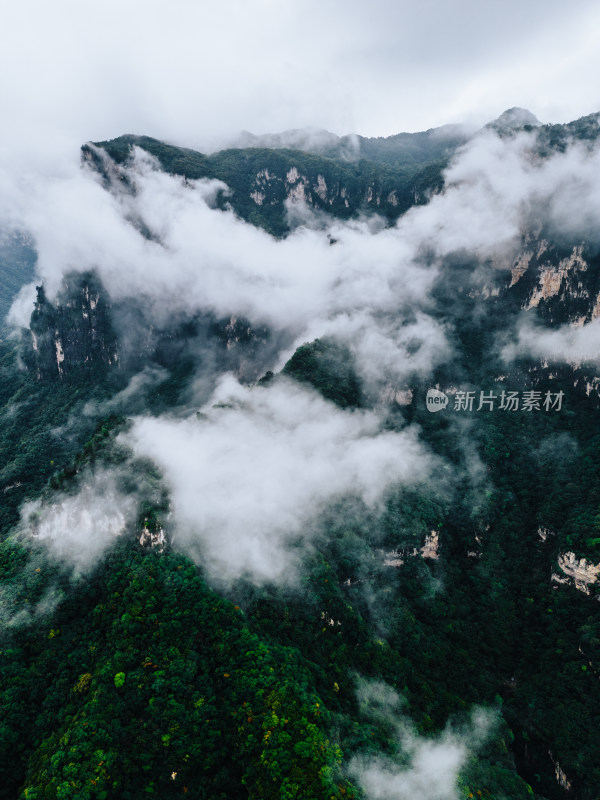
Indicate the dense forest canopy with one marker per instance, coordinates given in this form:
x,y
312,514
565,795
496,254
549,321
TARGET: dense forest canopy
x,y
239,556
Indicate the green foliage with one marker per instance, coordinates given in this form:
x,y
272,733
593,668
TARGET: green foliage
x,y
328,366
142,670
199,686
141,679
17,263
119,679
388,182
32,453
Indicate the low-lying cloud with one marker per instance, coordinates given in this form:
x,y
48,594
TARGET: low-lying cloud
x,y
567,344
427,768
79,526
249,475
65,535
198,258
496,187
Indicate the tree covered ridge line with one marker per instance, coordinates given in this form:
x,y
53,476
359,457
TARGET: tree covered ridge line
x,y
139,677
386,175
418,619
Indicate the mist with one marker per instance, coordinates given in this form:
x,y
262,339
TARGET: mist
x,y
162,465
566,344
427,768
79,526
373,288
250,474
202,259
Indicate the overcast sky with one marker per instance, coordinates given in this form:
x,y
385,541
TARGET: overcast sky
x,y
196,72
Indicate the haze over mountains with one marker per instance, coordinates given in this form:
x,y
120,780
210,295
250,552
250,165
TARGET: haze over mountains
x,y
231,523
399,148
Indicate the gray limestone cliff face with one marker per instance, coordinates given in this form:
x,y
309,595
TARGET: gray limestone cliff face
x,y
71,335
561,282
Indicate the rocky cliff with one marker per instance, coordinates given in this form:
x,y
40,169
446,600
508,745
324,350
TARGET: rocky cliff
x,y
342,176
263,182
72,335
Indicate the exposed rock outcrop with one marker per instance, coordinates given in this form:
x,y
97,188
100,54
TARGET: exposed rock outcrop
x,y
73,334
583,572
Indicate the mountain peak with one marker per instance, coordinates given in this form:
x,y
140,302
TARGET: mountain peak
x,y
514,118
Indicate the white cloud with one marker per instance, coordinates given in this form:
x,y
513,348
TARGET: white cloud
x,y
371,288
432,774
565,344
205,259
497,189
78,528
427,768
249,477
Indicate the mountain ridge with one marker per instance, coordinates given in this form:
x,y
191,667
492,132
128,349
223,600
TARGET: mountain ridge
x,y
387,175
230,522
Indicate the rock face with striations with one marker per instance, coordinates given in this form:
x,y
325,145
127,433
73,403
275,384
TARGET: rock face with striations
x,y
72,335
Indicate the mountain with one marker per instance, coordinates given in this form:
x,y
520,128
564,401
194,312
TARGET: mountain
x,y
514,119
338,175
17,266
400,149
72,334
231,523
342,176
261,181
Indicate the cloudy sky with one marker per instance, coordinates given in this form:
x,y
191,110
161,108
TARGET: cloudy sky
x,y
198,72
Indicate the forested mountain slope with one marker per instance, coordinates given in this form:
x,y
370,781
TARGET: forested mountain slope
x,y
240,557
